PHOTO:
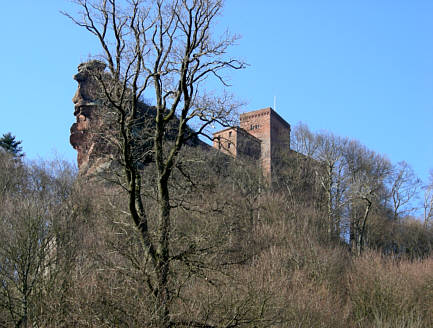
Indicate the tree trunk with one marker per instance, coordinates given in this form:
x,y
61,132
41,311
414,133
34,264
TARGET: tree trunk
x,y
162,268
364,224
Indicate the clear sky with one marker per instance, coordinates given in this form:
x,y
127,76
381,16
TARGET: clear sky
x,y
361,69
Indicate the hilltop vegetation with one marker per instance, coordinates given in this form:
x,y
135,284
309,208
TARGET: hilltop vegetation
x,y
242,254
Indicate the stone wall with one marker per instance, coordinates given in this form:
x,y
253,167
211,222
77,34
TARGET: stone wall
x,y
273,132
237,142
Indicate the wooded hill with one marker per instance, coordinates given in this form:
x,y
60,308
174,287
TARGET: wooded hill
x,y
241,254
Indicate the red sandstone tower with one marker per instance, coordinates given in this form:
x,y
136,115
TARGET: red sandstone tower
x,y
263,125
237,142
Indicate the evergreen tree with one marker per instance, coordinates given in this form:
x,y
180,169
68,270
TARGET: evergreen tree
x,y
9,144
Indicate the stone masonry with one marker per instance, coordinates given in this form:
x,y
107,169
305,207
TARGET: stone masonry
x,y
262,135
264,127
237,142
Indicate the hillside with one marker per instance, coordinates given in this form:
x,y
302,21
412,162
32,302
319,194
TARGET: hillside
x,y
273,226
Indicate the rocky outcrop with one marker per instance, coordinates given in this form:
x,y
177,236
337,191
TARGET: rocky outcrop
x,y
83,138
92,134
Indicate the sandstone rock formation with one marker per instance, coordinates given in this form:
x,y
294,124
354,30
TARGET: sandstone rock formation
x,y
93,136
83,138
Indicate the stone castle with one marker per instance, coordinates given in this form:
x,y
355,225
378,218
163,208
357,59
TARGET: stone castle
x,y
262,135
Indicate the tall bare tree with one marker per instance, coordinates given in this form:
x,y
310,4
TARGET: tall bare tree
x,y
404,188
353,181
427,203
328,150
367,173
162,49
36,242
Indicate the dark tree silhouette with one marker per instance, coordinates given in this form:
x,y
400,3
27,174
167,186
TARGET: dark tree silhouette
x,y
9,144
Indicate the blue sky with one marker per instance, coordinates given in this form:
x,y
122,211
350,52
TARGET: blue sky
x,y
361,69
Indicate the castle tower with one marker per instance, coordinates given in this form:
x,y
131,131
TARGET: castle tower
x,y
237,142
273,132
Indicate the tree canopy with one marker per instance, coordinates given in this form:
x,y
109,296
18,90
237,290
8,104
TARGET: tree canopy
x,y
9,143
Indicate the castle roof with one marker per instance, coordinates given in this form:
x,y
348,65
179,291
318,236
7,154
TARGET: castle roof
x,y
258,112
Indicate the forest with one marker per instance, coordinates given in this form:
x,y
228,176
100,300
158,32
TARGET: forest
x,y
241,254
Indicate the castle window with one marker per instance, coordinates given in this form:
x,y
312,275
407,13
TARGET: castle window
x,y
230,134
228,146
252,127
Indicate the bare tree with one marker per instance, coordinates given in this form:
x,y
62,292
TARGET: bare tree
x,y
333,180
162,48
404,188
24,257
303,140
367,172
36,247
328,150
427,204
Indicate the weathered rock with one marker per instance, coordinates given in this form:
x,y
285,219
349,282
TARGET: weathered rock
x,y
92,135
83,138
